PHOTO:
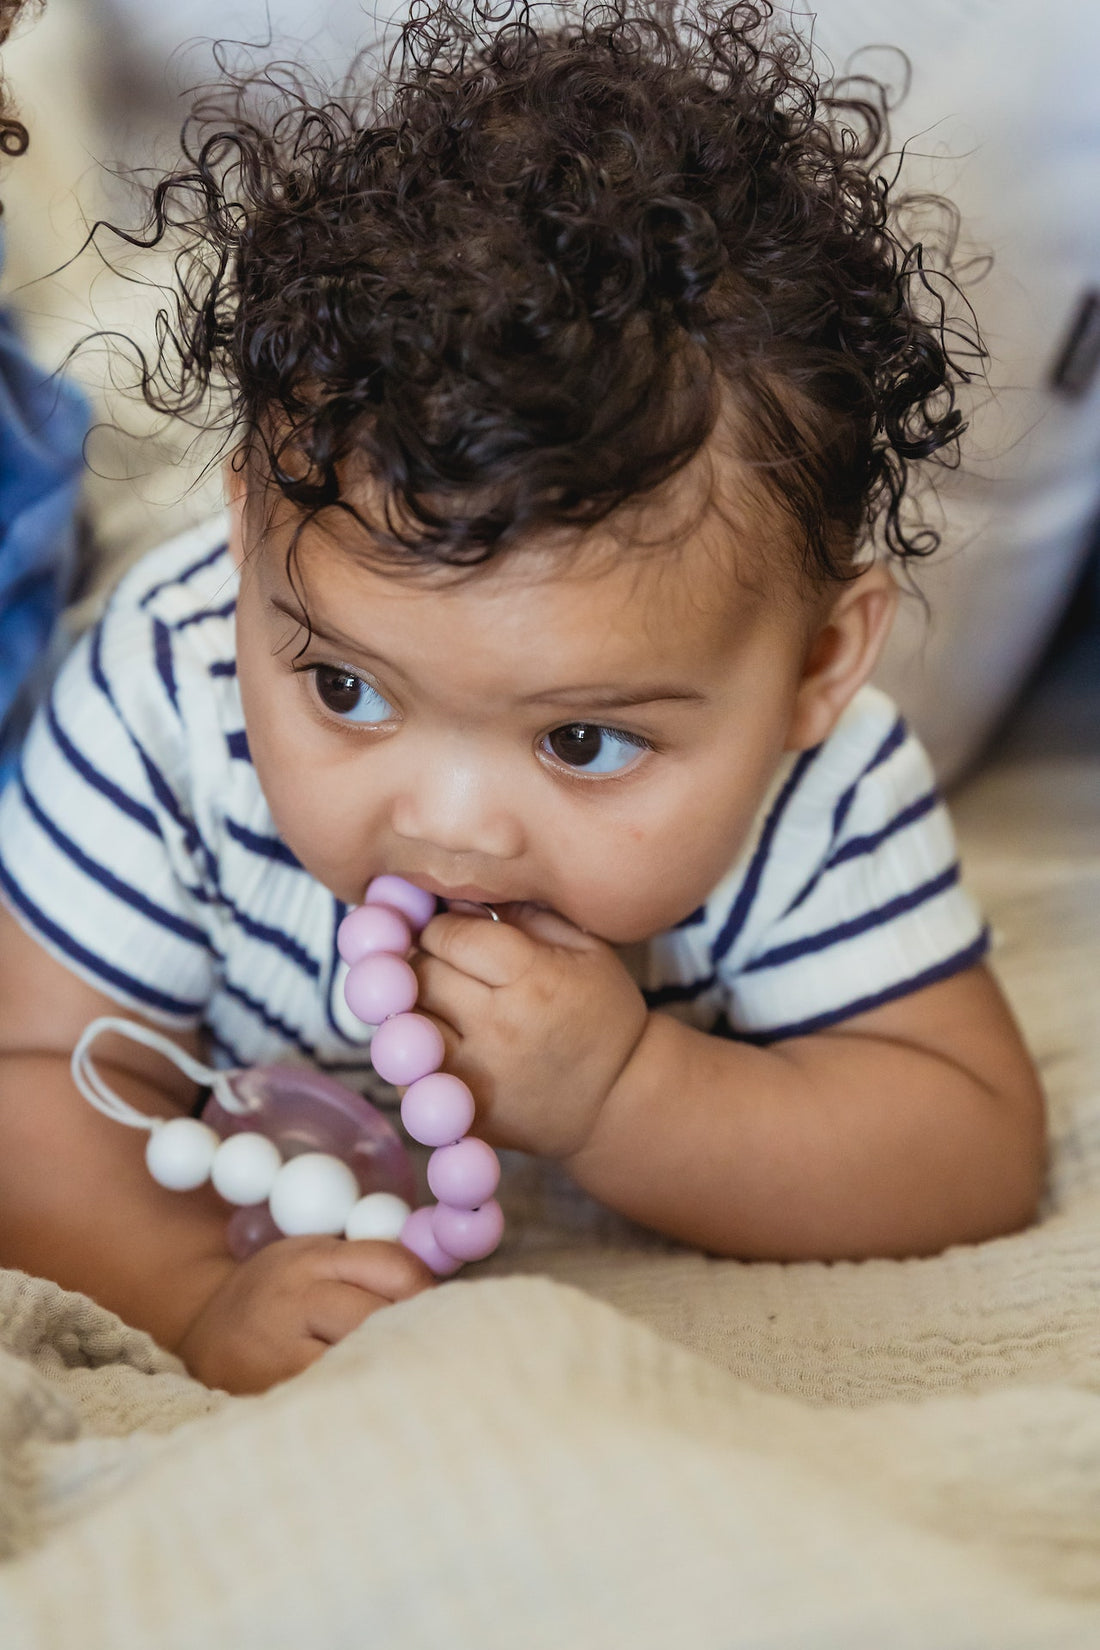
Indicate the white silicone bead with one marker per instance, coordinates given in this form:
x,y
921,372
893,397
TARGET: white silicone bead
x,y
180,1152
379,1215
312,1194
245,1167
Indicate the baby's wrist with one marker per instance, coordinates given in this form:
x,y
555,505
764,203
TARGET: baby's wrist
x,y
617,1118
216,1274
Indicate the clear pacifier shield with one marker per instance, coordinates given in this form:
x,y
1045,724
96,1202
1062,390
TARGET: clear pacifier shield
x,y
303,1110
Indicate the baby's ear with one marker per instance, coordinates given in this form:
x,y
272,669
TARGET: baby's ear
x,y
842,654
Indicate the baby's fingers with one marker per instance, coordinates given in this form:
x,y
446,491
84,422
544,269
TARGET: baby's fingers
x,y
547,926
454,999
493,952
386,1269
334,1309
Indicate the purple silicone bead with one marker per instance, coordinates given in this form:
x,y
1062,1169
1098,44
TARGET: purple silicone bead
x,y
464,1175
468,1234
438,1109
419,1238
371,928
403,896
378,986
405,1048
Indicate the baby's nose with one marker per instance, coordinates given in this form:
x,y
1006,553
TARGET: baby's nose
x,y
459,807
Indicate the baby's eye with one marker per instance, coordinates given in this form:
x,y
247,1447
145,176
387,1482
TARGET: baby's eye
x,y
349,696
597,750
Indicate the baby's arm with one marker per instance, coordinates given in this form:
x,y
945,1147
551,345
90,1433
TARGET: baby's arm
x,y
78,1205
898,1132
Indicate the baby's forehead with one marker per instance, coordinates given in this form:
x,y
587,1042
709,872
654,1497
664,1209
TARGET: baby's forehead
x,y
614,609
712,533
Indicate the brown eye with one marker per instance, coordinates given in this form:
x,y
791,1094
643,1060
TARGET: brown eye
x,y
348,696
595,749
578,744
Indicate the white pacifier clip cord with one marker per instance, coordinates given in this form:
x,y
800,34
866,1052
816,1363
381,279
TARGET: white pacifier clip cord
x,y
314,1193
100,1094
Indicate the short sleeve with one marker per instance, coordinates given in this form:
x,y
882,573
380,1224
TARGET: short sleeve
x,y
861,900
100,858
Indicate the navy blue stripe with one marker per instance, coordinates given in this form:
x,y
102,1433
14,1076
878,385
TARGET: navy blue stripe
x,y
223,667
857,846
99,781
205,613
106,879
105,971
162,652
272,1022
170,803
961,960
188,573
808,944
269,1019
95,660
658,996
212,1037
275,937
889,745
693,918
268,847
237,745
742,905
160,787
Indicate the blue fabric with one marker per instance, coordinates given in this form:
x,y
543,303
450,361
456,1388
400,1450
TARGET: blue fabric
x,y
43,422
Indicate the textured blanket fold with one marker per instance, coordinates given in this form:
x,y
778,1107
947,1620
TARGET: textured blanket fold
x,y
511,1463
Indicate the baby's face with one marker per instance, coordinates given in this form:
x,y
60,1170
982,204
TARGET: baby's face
x,y
593,734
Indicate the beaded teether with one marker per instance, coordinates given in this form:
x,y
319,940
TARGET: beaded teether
x,y
299,1153
407,1049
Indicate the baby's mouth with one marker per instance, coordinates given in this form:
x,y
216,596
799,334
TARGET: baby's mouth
x,y
469,900
473,908
496,910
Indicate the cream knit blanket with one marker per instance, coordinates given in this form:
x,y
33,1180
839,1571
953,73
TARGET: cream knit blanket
x,y
640,1447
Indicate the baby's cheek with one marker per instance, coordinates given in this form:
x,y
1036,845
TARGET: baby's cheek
x,y
635,899
322,839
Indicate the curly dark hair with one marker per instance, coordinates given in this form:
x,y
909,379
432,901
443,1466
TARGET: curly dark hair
x,y
522,273
13,134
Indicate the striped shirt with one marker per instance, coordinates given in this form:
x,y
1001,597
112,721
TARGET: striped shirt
x,y
137,846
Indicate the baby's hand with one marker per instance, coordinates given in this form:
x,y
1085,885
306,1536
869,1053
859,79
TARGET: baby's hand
x,y
276,1312
538,1017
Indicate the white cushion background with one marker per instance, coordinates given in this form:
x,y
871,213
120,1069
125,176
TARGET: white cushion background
x,y
1002,115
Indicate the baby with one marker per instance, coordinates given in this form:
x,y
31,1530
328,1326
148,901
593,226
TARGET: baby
x,y
569,378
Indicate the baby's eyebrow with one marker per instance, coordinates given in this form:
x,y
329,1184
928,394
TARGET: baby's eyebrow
x,y
582,698
615,698
301,618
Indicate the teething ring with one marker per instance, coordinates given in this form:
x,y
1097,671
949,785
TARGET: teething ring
x,y
407,1050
